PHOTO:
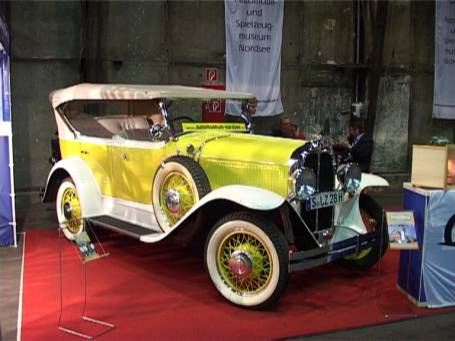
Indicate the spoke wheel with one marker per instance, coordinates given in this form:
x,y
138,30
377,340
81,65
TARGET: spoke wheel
x,y
178,185
244,261
246,258
177,196
68,207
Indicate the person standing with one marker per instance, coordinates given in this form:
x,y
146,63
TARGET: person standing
x,y
360,145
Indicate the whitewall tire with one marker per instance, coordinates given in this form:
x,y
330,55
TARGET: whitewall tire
x,y
179,183
247,260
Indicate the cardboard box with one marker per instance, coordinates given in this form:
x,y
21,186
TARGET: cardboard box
x,y
433,166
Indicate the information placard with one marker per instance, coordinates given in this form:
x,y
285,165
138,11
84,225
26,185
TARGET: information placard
x,y
402,231
86,247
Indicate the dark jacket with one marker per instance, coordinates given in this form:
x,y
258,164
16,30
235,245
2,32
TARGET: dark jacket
x,y
361,152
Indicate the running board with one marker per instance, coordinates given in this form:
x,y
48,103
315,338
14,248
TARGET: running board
x,y
123,227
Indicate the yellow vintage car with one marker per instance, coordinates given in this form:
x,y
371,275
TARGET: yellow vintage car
x,y
135,159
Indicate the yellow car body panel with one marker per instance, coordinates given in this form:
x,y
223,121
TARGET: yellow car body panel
x,y
137,170
127,172
121,172
235,158
97,157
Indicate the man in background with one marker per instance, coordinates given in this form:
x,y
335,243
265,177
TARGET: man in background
x,y
360,145
287,129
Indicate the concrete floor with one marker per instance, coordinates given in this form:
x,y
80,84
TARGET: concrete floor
x,y
31,214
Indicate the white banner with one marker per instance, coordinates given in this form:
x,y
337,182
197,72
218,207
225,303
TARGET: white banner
x,y
253,52
444,70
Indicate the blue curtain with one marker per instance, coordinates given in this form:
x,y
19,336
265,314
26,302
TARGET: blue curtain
x,y
7,223
6,209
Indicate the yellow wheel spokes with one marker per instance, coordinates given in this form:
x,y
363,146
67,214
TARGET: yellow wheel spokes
x,y
258,255
70,199
179,183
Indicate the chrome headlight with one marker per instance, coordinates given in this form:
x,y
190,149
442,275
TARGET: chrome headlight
x,y
304,181
350,176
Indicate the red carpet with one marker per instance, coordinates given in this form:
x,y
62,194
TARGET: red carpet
x,y
161,292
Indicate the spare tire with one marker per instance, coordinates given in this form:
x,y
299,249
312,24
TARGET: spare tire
x,y
178,185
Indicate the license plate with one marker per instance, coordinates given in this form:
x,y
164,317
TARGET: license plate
x,y
324,199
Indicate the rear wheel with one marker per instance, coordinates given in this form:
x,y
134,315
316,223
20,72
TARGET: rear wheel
x,y
372,217
247,260
68,207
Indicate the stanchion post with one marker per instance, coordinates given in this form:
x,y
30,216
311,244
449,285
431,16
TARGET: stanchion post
x,y
84,317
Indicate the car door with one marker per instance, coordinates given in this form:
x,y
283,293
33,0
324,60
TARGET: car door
x,y
134,161
95,152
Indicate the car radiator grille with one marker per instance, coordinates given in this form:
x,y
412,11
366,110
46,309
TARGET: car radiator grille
x,y
322,165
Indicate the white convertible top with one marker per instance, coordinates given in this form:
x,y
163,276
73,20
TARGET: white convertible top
x,y
88,91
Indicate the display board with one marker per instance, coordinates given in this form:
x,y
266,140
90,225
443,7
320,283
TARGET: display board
x,y
402,231
7,209
428,275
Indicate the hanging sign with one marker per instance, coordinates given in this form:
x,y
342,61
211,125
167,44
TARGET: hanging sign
x,y
253,52
444,71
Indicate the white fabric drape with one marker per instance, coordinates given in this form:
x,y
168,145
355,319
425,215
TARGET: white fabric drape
x,y
253,52
444,71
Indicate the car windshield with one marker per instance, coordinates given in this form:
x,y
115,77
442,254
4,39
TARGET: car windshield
x,y
135,119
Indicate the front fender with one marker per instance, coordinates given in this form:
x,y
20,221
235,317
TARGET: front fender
x,y
347,217
245,196
84,180
371,180
249,197
368,180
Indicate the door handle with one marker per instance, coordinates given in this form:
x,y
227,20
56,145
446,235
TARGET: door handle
x,y
123,157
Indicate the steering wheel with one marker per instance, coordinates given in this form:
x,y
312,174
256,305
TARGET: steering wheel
x,y
176,123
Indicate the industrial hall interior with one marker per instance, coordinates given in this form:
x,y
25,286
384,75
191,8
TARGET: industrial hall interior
x,y
227,169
